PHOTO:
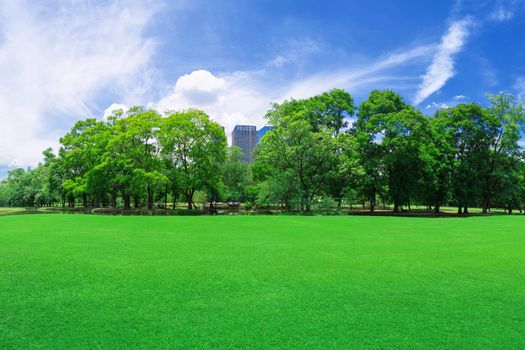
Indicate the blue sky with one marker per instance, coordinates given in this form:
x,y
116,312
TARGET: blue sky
x,y
62,61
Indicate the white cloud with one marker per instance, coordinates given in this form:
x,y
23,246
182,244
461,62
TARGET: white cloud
x,y
437,105
454,101
279,61
519,86
296,50
200,87
501,14
442,67
115,107
230,99
366,75
459,98
55,59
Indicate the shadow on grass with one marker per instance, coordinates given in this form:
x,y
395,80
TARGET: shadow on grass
x,y
416,213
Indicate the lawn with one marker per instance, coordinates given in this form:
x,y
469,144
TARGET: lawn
x,y
87,281
8,211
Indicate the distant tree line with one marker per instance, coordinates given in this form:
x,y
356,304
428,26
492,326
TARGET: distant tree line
x,y
323,152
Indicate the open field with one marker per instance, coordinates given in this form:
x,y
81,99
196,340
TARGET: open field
x,y
70,281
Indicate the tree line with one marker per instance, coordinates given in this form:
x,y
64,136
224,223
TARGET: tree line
x,y
324,151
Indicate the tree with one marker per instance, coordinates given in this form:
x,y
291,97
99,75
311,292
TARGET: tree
x,y
132,155
405,133
196,147
508,190
437,160
469,129
235,175
309,155
467,155
330,110
346,171
505,116
303,143
376,115
281,188
80,152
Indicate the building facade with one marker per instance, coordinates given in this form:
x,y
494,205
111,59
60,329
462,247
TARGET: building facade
x,y
245,137
262,131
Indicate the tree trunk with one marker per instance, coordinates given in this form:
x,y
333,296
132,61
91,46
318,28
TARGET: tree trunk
x,y
127,201
136,201
307,207
465,210
174,200
150,198
460,209
307,204
113,199
485,204
189,199
437,209
396,207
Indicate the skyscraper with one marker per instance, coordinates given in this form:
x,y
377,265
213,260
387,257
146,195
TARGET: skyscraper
x,y
262,131
245,137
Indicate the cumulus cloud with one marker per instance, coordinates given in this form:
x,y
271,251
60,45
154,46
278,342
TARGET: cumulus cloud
x,y
442,67
230,99
200,87
114,108
56,57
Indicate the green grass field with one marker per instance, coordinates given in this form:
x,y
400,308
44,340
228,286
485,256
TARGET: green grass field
x,y
84,281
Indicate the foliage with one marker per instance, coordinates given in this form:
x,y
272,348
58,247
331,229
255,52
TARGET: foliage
x,y
322,150
196,147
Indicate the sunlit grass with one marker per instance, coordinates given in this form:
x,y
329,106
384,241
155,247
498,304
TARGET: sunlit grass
x,y
5,211
84,281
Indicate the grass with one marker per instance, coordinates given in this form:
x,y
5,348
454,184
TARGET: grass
x,y
8,211
84,281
